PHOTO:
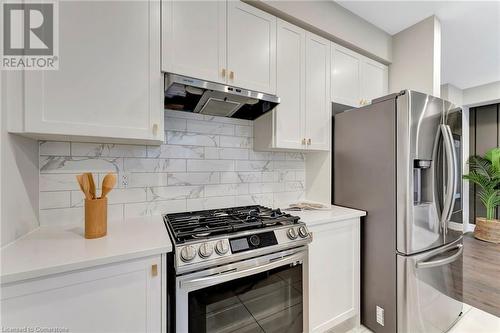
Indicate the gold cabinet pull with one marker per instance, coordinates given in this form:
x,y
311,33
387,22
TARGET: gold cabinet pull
x,y
231,75
309,141
223,72
155,129
304,141
154,270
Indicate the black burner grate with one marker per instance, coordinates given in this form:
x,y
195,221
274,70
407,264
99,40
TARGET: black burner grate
x,y
207,223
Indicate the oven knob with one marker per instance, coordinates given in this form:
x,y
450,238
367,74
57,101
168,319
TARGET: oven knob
x,y
188,253
206,250
221,247
303,232
291,233
254,240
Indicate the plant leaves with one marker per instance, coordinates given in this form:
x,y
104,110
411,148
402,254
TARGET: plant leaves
x,y
485,173
493,155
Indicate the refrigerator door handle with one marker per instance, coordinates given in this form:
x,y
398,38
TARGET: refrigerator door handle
x,y
441,262
451,184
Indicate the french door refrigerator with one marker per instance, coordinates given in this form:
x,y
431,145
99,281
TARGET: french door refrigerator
x,y
399,160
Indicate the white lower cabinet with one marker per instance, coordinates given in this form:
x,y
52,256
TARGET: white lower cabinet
x,y
334,273
121,297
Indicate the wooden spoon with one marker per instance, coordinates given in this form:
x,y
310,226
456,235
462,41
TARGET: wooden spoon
x,y
92,184
86,187
108,183
79,178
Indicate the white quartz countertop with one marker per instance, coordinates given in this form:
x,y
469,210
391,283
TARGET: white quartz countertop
x,y
50,250
333,214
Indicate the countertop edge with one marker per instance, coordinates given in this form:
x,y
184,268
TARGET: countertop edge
x,y
336,214
74,266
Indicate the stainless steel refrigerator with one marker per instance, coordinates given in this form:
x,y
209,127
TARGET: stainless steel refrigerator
x,y
399,159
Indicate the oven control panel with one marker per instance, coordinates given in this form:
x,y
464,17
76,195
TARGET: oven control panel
x,y
206,253
255,241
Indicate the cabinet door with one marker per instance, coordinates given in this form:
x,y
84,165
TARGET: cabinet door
x,y
124,297
109,83
318,104
194,39
373,80
334,266
290,86
345,76
251,48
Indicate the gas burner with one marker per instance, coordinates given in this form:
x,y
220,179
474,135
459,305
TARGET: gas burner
x,y
276,213
201,232
254,212
251,218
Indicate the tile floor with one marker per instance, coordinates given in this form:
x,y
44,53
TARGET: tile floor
x,y
473,321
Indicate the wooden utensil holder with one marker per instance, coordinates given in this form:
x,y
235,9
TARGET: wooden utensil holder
x,y
96,218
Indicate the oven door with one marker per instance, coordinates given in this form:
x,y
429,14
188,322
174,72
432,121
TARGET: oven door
x,y
263,294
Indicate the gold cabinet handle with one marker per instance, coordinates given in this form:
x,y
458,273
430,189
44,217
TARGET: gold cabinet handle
x,y
304,141
309,141
223,72
231,75
155,129
154,270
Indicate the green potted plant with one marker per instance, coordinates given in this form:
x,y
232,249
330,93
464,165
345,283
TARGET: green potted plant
x,y
485,173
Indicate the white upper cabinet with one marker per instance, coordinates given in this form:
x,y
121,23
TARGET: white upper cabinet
x,y
374,79
221,41
345,76
356,79
194,39
290,86
108,86
318,104
251,51
302,119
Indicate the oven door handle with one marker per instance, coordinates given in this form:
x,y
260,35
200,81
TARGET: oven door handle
x,y
208,281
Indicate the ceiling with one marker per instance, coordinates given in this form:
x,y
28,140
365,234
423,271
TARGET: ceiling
x,y
470,33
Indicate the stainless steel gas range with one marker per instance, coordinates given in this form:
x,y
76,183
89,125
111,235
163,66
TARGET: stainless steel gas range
x,y
237,269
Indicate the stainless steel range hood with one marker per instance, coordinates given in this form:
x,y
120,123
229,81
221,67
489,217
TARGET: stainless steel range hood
x,y
192,95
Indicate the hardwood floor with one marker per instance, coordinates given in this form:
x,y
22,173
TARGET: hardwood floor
x,y
481,274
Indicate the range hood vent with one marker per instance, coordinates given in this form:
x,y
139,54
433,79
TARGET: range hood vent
x,y
192,95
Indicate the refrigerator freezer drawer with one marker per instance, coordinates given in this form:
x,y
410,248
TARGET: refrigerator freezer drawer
x,y
430,289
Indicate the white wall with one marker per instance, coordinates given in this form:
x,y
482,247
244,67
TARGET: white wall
x,y
483,94
416,58
19,171
452,94
474,96
334,22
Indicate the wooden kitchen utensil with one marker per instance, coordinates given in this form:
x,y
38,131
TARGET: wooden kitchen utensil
x,y
86,187
79,178
92,184
96,217
108,183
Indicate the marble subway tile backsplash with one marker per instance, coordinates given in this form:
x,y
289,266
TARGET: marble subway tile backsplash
x,y
206,162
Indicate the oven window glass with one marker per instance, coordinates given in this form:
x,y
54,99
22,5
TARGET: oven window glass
x,y
266,302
